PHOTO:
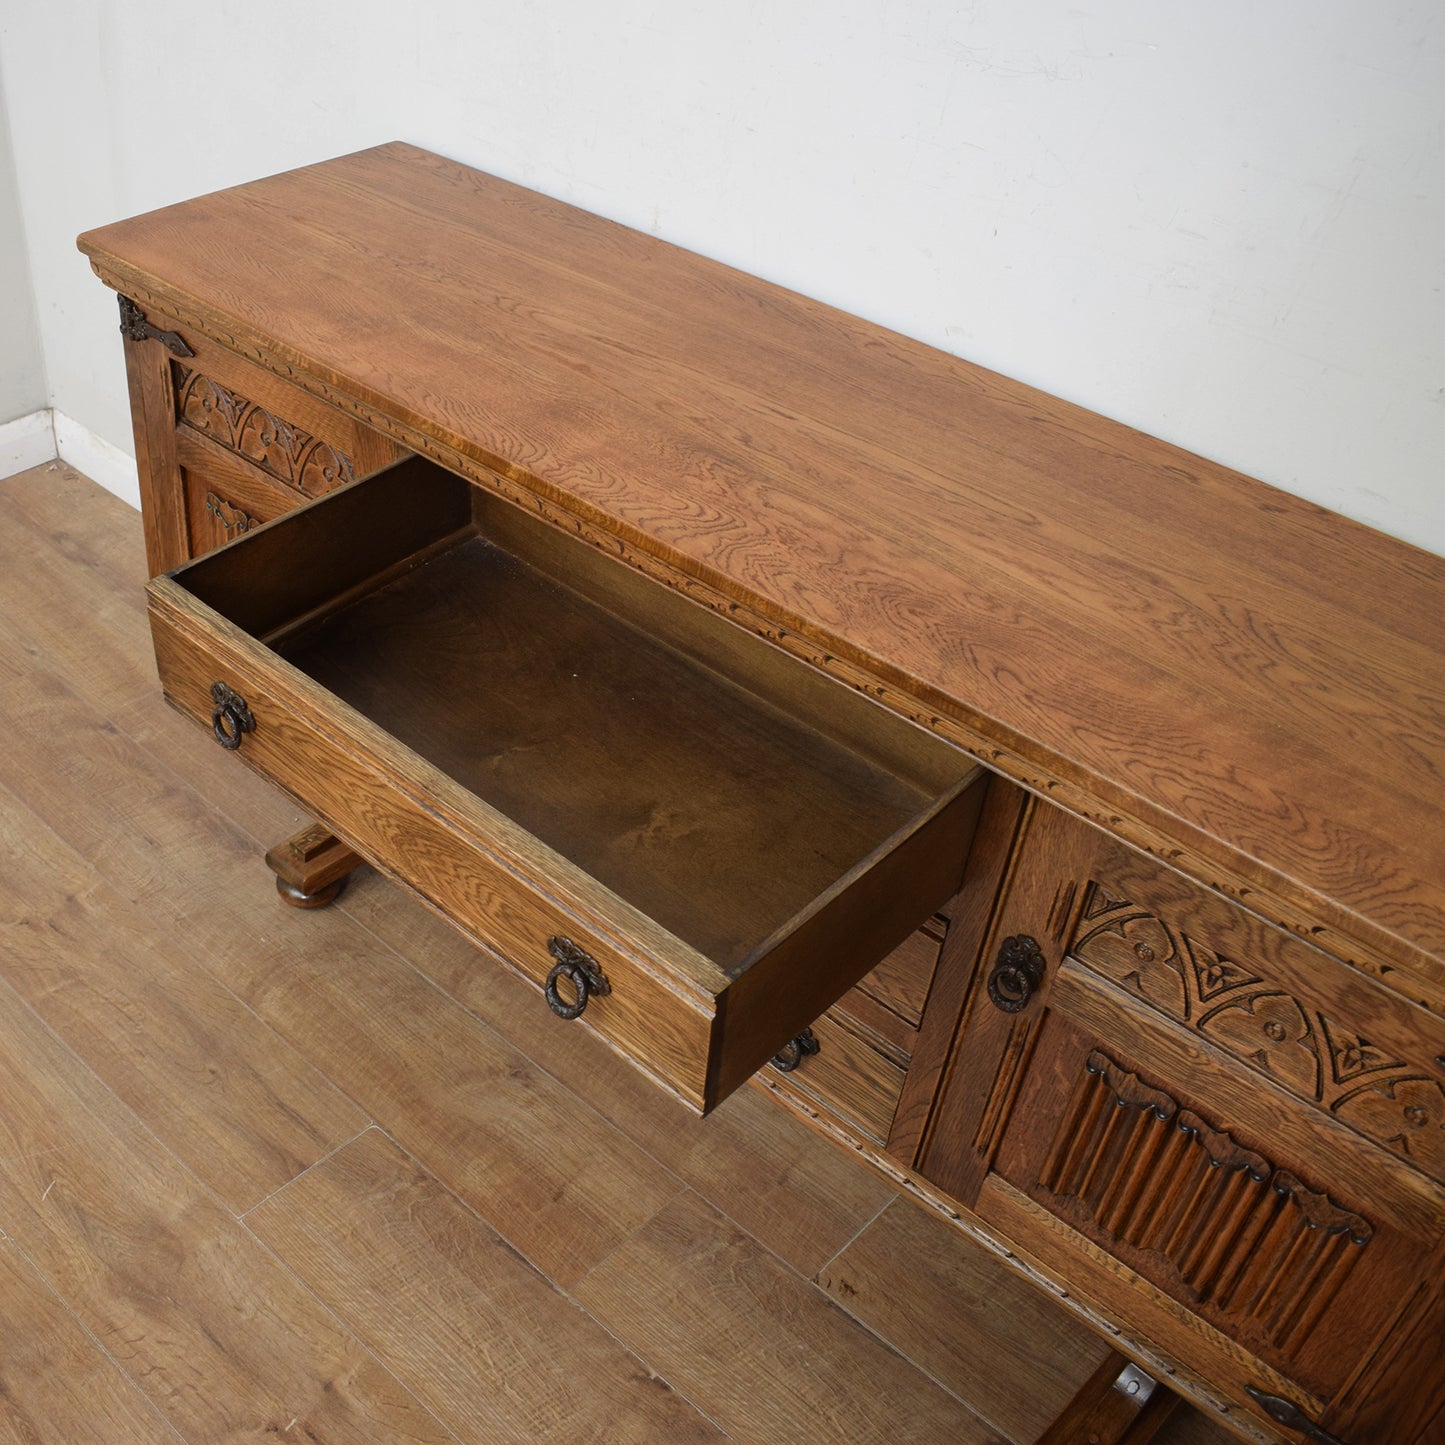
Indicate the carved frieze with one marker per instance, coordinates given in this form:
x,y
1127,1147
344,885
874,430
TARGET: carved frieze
x,y
287,453
1231,1002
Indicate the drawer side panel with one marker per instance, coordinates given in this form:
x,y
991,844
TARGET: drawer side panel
x,y
826,953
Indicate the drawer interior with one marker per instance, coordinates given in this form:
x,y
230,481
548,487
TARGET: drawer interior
x,y
699,773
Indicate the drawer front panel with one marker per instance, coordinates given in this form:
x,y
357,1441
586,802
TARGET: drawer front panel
x,y
649,1019
852,1075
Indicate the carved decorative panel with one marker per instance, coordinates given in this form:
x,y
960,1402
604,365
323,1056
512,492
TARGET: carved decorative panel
x,y
284,451
1232,1232
1393,1102
232,519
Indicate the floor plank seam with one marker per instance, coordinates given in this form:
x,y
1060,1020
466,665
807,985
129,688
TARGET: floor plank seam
x,y
137,1121
918,1368
568,1294
602,1259
35,651
315,1164
855,1236
164,929
811,1283
654,1371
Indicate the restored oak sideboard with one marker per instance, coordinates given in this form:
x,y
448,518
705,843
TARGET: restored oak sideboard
x,y
1062,813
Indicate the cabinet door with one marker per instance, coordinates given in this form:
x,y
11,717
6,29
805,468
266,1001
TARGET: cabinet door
x,y
1226,1140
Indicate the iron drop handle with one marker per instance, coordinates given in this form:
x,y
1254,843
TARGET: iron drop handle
x,y
580,970
1017,972
231,719
793,1052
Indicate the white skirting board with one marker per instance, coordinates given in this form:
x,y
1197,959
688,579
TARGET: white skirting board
x,y
43,435
26,442
97,458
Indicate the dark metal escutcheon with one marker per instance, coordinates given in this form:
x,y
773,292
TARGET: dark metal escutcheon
x,y
794,1052
230,717
1287,1413
1018,971
581,970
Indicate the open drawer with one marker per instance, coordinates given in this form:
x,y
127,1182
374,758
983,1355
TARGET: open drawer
x,y
667,821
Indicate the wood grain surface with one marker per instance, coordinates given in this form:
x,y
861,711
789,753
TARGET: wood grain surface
x,y
953,1309
245,1110
1208,665
488,1344
58,1384
138,1306
754,1309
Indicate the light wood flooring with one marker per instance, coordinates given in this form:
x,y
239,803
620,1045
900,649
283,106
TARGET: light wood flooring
x,y
268,1175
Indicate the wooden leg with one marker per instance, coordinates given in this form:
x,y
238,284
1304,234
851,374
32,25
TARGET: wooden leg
x,y
1118,1405
311,868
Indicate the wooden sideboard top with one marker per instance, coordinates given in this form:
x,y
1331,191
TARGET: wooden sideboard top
x,y
1241,681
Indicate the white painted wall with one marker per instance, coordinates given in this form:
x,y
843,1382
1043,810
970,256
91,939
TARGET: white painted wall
x,y
22,369
1223,223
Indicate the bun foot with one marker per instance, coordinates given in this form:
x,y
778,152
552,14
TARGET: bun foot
x,y
311,869
319,899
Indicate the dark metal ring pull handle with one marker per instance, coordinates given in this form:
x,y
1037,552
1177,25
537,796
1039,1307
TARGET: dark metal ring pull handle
x,y
1287,1413
794,1052
1018,971
581,970
231,719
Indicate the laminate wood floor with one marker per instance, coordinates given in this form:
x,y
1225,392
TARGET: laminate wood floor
x,y
268,1175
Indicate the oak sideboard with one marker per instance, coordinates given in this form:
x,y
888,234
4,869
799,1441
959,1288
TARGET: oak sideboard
x,y
1051,815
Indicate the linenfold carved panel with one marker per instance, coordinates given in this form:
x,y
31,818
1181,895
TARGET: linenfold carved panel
x,y
245,427
1388,1100
1236,1234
